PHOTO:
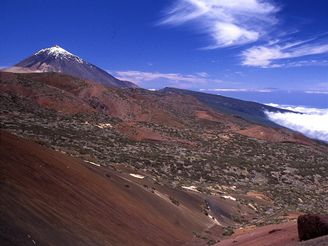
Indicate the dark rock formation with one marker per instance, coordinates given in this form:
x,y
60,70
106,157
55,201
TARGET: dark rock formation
x,y
312,226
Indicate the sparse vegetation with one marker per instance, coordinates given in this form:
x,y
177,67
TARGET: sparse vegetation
x,y
207,155
174,201
227,231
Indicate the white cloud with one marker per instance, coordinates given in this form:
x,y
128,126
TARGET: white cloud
x,y
300,109
203,74
304,63
264,90
238,22
168,79
227,22
273,55
312,122
320,88
316,92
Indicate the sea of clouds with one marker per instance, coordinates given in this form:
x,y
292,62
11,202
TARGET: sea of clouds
x,y
312,122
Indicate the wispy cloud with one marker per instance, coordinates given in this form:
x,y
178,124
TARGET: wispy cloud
x,y
302,63
312,122
168,79
227,22
239,22
275,55
316,92
263,90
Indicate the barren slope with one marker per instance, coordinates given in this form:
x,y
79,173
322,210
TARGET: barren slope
x,y
56,200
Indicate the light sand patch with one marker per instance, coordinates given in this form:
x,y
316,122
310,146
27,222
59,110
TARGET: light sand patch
x,y
138,176
92,163
192,188
104,125
229,197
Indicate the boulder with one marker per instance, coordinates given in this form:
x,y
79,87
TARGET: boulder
x,y
312,226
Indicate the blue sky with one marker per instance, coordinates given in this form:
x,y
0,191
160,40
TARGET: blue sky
x,y
218,46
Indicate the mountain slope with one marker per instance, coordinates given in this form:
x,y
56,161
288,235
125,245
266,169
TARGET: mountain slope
x,y
168,107
234,171
54,199
56,59
48,198
250,111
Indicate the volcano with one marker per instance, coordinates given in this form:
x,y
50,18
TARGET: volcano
x,y
57,59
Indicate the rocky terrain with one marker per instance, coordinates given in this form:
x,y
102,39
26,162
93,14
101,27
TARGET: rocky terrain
x,y
240,173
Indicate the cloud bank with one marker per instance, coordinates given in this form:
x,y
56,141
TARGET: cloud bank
x,y
227,22
313,122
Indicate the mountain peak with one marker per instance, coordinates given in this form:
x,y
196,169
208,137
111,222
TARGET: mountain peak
x,y
57,59
58,52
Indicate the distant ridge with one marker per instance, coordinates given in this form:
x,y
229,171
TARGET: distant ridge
x,y
248,110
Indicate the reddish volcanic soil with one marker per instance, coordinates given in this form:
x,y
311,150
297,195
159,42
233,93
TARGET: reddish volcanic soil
x,y
274,135
42,94
48,198
71,95
272,235
54,199
136,133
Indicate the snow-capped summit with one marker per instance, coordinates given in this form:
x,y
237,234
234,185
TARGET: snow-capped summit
x,y
55,50
57,59
59,53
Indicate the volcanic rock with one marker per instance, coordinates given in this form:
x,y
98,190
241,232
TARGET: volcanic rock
x,y
312,226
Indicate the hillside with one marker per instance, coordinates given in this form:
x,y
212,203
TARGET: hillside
x,y
60,200
251,111
212,161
